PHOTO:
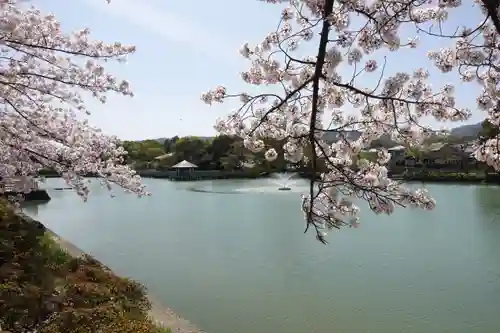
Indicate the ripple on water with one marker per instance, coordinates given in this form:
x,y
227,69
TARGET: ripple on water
x,y
205,190
271,190
242,190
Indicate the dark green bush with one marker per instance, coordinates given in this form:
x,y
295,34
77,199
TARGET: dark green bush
x,y
43,288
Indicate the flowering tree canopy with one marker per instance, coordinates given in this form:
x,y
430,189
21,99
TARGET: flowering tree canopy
x,y
44,77
310,96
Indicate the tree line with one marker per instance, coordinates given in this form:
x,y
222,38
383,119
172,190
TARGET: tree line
x,y
222,152
225,152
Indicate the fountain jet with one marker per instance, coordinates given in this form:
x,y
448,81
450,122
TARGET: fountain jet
x,y
282,179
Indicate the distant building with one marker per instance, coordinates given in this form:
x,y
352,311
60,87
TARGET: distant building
x,y
397,148
398,155
164,156
455,156
247,164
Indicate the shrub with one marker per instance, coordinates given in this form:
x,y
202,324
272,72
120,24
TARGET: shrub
x,y
44,289
26,276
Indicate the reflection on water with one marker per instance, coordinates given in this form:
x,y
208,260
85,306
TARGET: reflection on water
x,y
487,198
32,208
204,190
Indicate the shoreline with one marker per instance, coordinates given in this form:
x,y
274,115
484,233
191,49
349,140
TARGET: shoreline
x,y
160,314
426,176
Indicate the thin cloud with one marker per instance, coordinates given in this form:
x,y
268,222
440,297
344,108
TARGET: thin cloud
x,y
169,26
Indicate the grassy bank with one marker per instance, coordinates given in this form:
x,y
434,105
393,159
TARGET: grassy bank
x,y
45,289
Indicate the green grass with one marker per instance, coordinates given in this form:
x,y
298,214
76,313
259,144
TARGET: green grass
x,y
164,330
55,254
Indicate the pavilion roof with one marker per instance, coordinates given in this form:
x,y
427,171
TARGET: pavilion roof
x,y
184,165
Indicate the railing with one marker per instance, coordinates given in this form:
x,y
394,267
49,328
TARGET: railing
x,y
18,185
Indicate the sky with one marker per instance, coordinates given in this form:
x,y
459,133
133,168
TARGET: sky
x,y
187,47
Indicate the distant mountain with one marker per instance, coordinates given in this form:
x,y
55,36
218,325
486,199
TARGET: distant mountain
x,y
161,140
467,130
204,138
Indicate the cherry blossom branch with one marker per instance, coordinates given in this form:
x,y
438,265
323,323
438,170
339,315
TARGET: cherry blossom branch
x,y
394,106
44,75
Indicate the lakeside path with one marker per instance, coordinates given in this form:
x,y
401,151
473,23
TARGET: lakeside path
x,y
160,314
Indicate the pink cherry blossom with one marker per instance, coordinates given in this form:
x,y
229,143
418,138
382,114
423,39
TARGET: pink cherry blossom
x,y
46,75
316,98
